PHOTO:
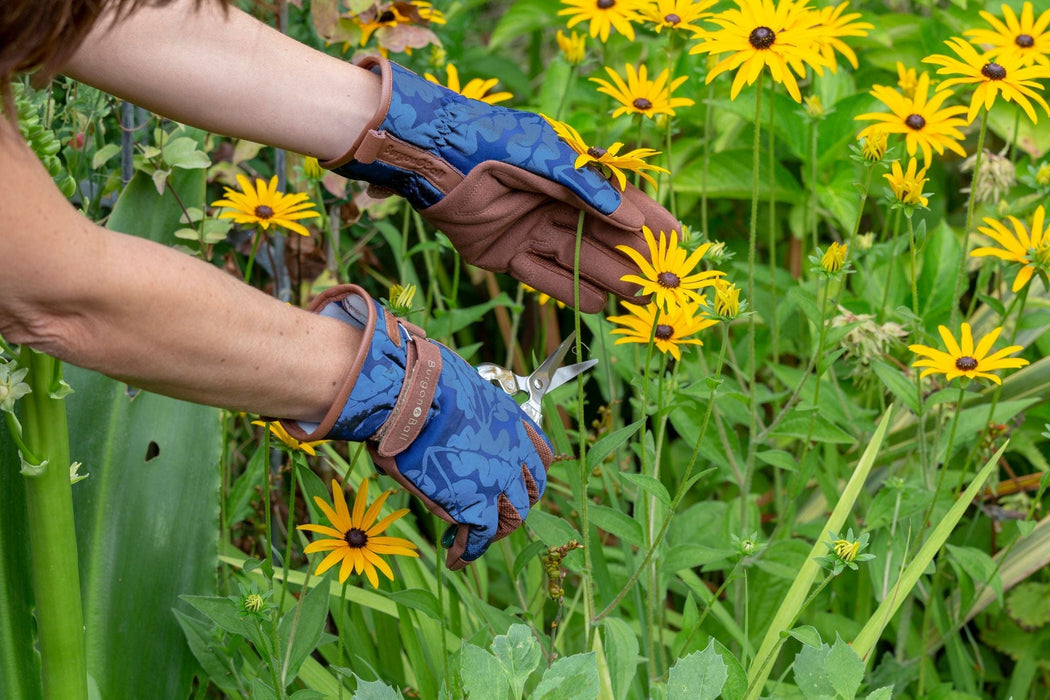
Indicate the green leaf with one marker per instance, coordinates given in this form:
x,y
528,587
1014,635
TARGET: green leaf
x,y
811,672
779,459
608,444
239,502
482,674
621,651
699,676
573,676
807,634
223,612
845,670
1029,604
103,155
518,654
418,599
883,693
736,678
821,430
142,212
454,320
617,523
376,690
302,626
554,531
894,380
208,651
729,177
522,18
653,487
978,566
526,556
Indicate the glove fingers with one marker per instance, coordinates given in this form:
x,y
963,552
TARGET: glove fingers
x,y
547,276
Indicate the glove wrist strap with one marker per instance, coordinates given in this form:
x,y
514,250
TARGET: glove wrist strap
x,y
422,369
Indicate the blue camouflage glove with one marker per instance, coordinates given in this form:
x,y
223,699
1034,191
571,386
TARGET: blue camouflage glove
x,y
502,186
432,423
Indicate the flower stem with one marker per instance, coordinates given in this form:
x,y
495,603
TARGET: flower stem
x,y
961,275
892,266
52,537
774,326
705,160
588,593
668,131
251,257
752,360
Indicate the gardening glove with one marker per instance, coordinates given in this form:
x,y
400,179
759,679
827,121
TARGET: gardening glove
x,y
432,423
502,186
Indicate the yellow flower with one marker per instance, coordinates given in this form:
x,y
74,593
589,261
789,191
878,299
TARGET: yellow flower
x,y
907,186
907,80
676,14
610,160
668,329
573,47
1025,39
669,277
1018,246
603,16
278,431
761,33
475,89
833,26
963,359
922,120
263,205
639,95
846,550
727,299
1042,176
1005,76
391,15
873,143
814,107
400,300
357,542
834,258
312,168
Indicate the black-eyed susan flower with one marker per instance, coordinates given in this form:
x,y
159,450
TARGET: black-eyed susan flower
x,y
357,537
835,24
668,329
261,204
400,300
907,185
925,123
609,160
637,94
312,169
759,33
278,431
834,258
1025,38
727,299
667,271
1004,76
676,15
1029,248
873,143
573,47
475,89
963,359
603,16
845,551
390,15
907,80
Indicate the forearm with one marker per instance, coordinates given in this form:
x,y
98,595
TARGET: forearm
x,y
149,315
230,74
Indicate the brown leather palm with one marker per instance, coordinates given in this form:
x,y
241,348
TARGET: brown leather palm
x,y
506,219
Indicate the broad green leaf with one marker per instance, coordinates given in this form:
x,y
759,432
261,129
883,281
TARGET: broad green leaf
x,y
729,177
807,634
418,599
653,487
810,671
621,651
239,502
608,444
518,654
699,676
142,212
208,651
1029,604
445,323
845,670
977,569
883,693
736,678
618,523
183,152
779,459
482,674
814,427
146,520
223,612
554,531
898,385
376,690
521,18
302,627
103,155
527,555
573,676
262,691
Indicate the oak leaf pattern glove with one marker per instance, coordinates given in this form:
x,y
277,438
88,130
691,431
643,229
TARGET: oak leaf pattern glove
x,y
501,185
432,423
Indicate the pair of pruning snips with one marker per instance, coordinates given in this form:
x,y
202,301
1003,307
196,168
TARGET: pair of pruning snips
x,y
548,376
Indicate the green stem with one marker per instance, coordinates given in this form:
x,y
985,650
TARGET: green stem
x,y
295,458
944,466
342,628
251,257
52,537
667,148
774,325
752,359
961,275
705,160
892,266
588,593
565,92
680,493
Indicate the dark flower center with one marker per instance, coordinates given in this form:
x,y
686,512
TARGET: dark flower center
x,y
605,4
387,16
915,121
675,19
1025,41
664,331
966,363
993,71
596,152
668,280
356,538
762,37
263,212
642,103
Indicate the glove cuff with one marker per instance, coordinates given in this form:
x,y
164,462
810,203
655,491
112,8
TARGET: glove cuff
x,y
387,394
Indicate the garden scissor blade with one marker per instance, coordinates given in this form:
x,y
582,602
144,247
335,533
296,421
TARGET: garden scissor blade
x,y
548,376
